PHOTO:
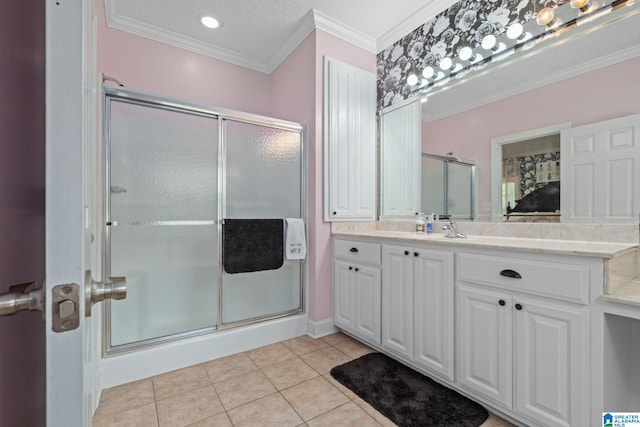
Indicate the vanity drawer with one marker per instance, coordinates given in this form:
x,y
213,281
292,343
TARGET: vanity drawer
x,y
569,282
357,251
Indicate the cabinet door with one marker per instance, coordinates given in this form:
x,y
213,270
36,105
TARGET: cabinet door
x,y
433,310
397,300
551,362
484,343
350,142
343,299
367,303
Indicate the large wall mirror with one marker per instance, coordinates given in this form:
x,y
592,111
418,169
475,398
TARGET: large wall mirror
x,y
526,113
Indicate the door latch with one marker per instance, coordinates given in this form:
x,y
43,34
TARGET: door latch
x,y
65,307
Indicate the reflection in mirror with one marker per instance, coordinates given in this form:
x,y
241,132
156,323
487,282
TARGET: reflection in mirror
x,y
448,186
531,179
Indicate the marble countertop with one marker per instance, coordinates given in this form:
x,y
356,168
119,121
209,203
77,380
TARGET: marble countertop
x,y
550,246
626,294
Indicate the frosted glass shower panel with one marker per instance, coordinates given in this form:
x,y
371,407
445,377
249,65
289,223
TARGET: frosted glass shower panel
x,y
459,191
263,180
163,164
433,180
162,220
263,171
171,276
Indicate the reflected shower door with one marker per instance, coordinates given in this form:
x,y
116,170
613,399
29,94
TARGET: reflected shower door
x,y
433,186
263,179
460,191
162,220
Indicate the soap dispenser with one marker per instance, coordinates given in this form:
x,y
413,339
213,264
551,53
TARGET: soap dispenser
x,y
419,223
430,223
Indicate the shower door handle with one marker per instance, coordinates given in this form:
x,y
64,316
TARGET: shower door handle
x,y
95,292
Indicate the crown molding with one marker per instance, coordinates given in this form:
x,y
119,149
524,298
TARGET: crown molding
x,y
427,13
338,29
161,35
312,20
543,80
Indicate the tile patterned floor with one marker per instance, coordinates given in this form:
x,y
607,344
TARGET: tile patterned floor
x,y
284,384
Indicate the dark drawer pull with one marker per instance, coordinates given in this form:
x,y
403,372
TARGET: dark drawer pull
x,y
354,250
416,254
406,252
511,273
518,306
502,303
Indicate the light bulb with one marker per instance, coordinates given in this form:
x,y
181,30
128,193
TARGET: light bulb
x,y
428,72
583,5
515,31
424,99
412,80
446,63
546,16
489,41
465,53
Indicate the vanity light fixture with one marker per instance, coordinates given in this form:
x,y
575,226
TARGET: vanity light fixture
x,y
490,42
428,72
210,22
467,54
546,16
446,63
516,32
583,5
412,79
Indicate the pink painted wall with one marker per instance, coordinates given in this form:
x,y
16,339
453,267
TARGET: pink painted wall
x,y
598,95
294,92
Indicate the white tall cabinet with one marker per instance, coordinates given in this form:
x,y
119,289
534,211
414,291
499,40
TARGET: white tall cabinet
x,y
349,142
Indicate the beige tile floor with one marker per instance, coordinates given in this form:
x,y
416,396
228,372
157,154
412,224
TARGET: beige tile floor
x,y
284,384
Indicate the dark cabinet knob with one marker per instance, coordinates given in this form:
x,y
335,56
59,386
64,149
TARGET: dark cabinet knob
x,y
511,273
518,306
406,252
502,303
416,254
350,268
357,269
354,250
335,213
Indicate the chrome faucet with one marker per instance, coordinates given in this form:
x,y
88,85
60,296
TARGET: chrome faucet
x,y
452,230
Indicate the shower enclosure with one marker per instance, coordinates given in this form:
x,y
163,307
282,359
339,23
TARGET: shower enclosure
x,y
172,173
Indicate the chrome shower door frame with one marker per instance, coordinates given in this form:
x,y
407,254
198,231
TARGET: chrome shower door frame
x,y
141,98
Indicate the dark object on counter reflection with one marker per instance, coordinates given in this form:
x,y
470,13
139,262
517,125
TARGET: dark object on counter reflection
x,y
544,199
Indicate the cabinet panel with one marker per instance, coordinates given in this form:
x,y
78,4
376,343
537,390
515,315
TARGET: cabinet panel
x,y
433,311
350,144
484,343
550,360
343,310
557,280
367,302
397,297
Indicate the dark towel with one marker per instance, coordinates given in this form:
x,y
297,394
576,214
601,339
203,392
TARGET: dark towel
x,y
252,245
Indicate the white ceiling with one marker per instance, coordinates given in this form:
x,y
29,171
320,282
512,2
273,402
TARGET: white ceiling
x,y
259,34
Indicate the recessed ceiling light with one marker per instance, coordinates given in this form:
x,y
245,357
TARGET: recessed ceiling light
x,y
210,22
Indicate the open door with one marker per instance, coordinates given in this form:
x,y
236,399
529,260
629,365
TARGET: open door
x,y
22,208
47,133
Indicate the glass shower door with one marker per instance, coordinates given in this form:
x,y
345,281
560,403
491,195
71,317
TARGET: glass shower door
x,y
263,180
162,220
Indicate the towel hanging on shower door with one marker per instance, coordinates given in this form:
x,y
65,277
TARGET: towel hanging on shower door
x,y
295,242
252,245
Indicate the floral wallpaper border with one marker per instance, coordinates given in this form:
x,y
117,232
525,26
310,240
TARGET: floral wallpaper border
x,y
465,23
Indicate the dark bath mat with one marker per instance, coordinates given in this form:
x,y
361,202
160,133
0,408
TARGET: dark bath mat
x,y
405,396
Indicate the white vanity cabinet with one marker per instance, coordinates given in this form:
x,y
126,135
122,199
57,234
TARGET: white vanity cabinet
x,y
522,340
417,306
349,143
356,288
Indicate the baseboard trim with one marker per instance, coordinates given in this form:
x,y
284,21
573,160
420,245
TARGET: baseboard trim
x,y
320,328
